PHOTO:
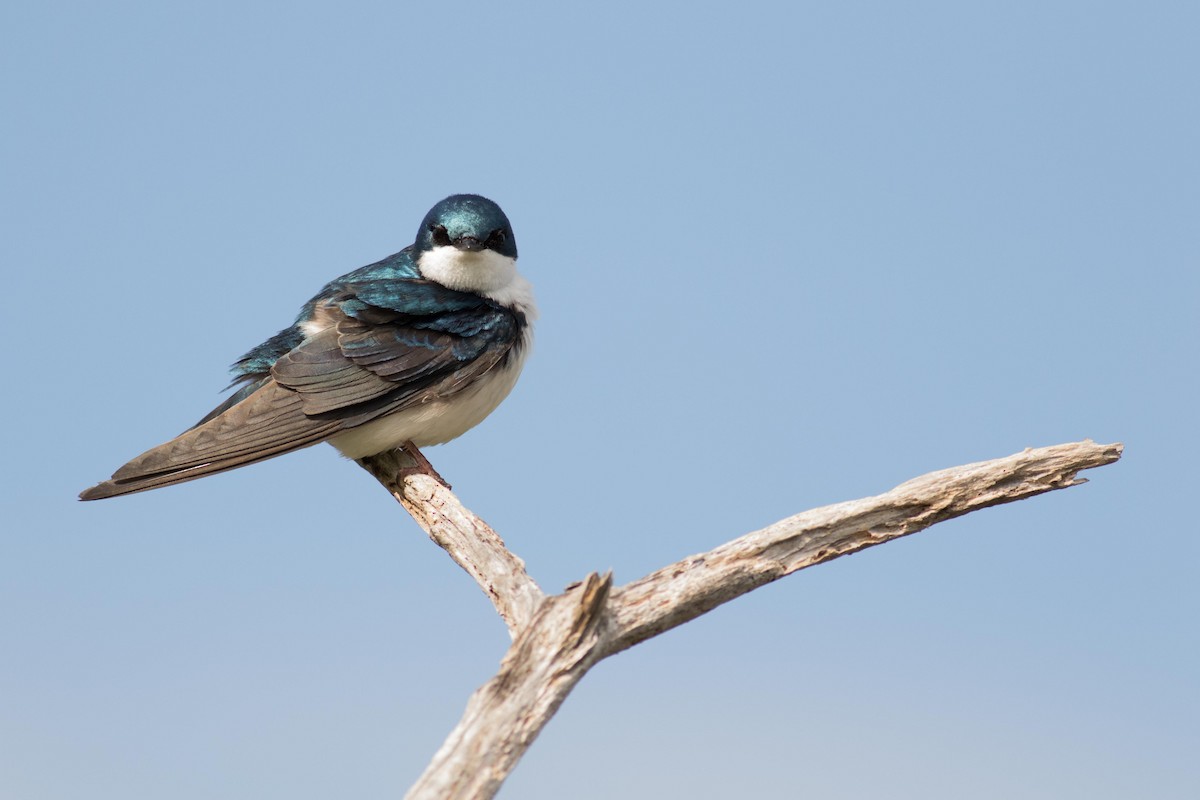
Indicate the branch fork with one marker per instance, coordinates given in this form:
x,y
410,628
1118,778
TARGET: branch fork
x,y
557,639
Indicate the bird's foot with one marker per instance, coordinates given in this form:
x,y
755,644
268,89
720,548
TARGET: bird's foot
x,y
423,467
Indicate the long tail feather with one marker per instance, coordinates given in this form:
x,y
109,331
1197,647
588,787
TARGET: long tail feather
x,y
268,423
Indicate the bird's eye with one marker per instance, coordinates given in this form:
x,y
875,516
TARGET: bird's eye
x,y
440,237
497,237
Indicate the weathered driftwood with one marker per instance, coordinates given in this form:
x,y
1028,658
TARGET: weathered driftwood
x,y
558,638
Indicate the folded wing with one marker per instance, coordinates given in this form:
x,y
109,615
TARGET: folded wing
x,y
361,367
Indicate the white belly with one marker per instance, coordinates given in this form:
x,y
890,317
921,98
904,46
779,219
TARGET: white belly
x,y
436,422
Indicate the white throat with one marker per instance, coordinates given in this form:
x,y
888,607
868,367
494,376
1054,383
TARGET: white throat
x,y
485,272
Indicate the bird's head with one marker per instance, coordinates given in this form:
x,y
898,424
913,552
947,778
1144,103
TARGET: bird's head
x,y
466,243
468,223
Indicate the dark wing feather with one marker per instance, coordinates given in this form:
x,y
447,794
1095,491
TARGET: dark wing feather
x,y
359,370
362,367
324,380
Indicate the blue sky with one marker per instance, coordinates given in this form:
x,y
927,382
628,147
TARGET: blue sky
x,y
786,255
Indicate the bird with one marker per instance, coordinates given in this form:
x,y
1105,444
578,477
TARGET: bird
x,y
410,351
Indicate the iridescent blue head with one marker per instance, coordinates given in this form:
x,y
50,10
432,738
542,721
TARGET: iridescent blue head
x,y
469,223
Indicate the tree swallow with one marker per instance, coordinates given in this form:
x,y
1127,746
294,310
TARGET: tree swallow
x,y
415,349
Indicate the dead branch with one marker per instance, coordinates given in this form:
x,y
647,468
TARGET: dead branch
x,y
468,540
557,639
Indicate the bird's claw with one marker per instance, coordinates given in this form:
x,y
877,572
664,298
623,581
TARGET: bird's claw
x,y
422,465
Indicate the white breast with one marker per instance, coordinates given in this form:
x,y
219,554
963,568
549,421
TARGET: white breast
x,y
485,272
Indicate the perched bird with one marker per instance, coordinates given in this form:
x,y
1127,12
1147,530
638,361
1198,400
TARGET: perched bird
x,y
415,349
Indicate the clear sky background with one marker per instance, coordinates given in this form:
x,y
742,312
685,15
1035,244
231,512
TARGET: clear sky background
x,y
787,254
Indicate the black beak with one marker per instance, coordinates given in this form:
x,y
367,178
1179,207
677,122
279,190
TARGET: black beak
x,y
469,243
